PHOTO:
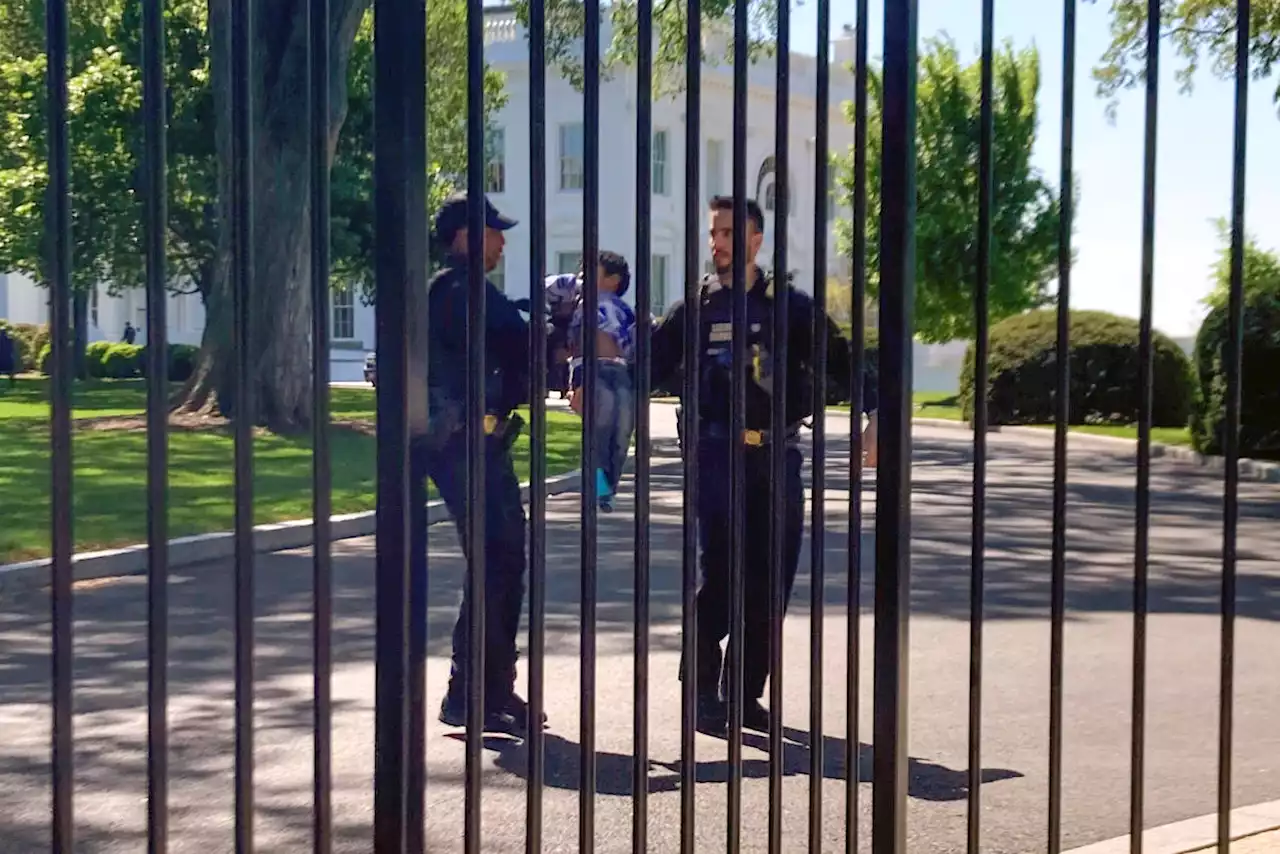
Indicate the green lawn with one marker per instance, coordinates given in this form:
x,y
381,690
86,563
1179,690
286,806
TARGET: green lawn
x,y
1159,435
928,404
110,470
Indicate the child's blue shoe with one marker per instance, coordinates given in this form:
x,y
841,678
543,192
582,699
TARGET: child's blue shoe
x,y
603,489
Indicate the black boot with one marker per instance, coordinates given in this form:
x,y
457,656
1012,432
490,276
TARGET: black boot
x,y
711,715
508,715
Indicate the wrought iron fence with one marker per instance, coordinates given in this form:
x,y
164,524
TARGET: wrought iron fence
x,y
401,269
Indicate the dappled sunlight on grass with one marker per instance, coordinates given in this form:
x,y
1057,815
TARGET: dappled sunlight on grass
x,y
111,473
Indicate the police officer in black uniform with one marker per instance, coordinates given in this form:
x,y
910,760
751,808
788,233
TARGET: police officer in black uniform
x,y
714,453
440,452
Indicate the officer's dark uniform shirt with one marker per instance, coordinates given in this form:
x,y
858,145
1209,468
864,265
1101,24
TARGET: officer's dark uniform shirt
x,y
716,357
506,343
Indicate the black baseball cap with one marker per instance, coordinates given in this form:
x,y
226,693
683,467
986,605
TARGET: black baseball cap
x,y
452,217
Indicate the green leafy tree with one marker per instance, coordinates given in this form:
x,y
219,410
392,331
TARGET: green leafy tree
x,y
281,309
105,133
106,138
1024,215
1200,30
1261,269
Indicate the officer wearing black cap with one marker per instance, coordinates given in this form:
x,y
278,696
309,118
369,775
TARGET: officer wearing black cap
x,y
714,453
441,453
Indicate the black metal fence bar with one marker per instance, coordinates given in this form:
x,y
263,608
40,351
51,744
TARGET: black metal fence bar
x,y
1231,439
737,425
778,447
1142,521
853,648
60,525
242,242
688,427
155,222
537,421
644,168
1058,566
477,494
590,392
893,476
977,588
399,34
817,538
321,501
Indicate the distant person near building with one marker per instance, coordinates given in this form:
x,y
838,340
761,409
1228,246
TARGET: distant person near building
x,y
8,357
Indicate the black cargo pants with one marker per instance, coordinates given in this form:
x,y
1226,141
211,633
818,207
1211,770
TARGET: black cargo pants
x,y
714,535
504,554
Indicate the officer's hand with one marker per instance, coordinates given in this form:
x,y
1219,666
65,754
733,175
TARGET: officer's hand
x,y
575,400
870,445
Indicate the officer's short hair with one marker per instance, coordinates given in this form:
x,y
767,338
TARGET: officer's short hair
x,y
754,212
614,264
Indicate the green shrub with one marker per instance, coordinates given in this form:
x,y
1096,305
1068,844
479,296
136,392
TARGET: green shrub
x,y
182,362
1259,386
122,361
1104,372
29,341
95,356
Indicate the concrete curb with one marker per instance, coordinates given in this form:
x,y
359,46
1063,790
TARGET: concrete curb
x,y
273,537
1256,470
1197,834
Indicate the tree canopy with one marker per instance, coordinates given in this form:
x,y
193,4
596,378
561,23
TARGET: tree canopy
x,y
1200,30
106,134
1025,213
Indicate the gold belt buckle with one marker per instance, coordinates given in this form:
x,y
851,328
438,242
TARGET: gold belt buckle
x,y
754,438
490,424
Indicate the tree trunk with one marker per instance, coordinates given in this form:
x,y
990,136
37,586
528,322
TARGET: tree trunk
x,y
279,351
80,322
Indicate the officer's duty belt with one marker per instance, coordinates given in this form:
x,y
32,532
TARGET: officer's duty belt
x,y
750,438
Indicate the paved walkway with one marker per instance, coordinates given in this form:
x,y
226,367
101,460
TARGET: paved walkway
x,y
1183,637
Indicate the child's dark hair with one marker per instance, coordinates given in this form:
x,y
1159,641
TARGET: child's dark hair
x,y
614,264
754,213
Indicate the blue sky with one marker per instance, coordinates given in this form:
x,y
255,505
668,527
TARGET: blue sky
x,y
1193,154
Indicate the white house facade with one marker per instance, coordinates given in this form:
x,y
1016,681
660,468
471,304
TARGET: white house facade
x,y
507,174
23,301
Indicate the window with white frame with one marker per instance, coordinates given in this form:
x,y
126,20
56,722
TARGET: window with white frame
x,y
661,184
568,262
571,167
657,285
498,275
715,168
344,313
94,306
495,164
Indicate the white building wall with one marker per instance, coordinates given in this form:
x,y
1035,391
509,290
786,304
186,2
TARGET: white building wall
x,y
507,51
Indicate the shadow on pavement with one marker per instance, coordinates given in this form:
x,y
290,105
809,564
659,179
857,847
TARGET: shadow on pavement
x,y
614,771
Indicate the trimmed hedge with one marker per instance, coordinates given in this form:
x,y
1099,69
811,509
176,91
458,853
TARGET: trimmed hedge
x,y
122,361
182,362
94,356
1104,372
1259,380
